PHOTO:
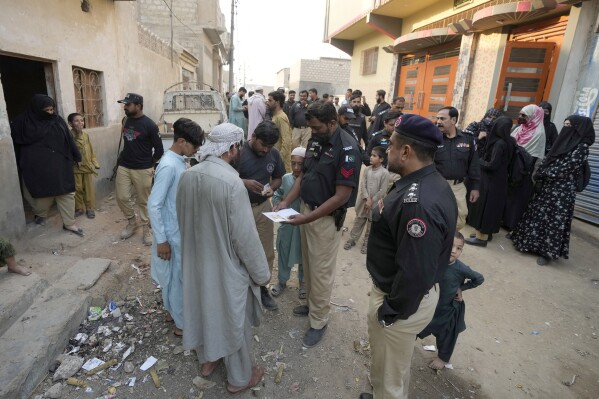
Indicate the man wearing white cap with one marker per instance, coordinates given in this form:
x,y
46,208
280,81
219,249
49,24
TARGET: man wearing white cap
x,y
223,261
256,109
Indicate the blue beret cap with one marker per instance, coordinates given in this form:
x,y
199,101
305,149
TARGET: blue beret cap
x,y
418,128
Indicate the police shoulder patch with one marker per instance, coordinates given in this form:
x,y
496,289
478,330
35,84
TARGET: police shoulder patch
x,y
416,228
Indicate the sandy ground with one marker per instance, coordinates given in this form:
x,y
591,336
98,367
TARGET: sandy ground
x,y
498,356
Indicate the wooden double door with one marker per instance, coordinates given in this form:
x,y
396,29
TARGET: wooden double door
x,y
426,80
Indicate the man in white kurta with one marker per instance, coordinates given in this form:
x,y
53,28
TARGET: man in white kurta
x,y
256,110
223,261
166,245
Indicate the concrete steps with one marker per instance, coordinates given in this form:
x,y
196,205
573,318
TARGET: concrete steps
x,y
36,321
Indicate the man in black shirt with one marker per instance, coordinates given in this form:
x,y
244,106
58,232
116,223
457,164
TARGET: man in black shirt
x,y
289,103
378,113
261,169
327,186
297,118
457,160
408,251
136,165
359,124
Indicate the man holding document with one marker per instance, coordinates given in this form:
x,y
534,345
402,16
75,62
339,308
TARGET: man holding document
x,y
261,169
327,186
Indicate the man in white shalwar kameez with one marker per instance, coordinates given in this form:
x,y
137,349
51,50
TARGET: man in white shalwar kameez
x,y
223,261
166,245
256,110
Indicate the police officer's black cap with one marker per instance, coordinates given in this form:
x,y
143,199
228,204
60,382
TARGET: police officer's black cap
x,y
347,112
418,128
132,98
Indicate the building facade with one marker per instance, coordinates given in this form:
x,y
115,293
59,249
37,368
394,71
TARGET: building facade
x,y
474,55
86,58
196,25
327,75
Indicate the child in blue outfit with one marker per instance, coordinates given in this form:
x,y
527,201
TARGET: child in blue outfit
x,y
448,320
289,245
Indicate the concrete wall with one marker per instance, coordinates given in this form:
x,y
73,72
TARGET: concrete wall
x,y
369,84
484,74
327,75
106,39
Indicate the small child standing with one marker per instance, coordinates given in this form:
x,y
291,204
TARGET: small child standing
x,y
373,187
448,320
85,195
289,245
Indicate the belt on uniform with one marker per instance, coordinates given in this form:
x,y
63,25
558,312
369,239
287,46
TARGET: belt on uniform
x,y
300,127
255,204
458,181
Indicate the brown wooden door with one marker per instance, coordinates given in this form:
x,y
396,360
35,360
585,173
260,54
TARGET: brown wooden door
x,y
426,80
523,78
438,86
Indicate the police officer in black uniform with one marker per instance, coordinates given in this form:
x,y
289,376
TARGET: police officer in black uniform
x,y
457,161
408,250
382,138
327,186
359,123
346,115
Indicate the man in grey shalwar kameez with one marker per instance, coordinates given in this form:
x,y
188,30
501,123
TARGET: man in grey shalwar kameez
x,y
223,261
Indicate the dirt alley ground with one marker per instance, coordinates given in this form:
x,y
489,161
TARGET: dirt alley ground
x,y
498,356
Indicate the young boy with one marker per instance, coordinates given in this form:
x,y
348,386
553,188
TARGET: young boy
x,y
448,320
289,245
7,257
372,188
85,195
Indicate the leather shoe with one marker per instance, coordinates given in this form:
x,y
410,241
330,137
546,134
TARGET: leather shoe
x,y
313,336
267,301
301,311
476,241
473,235
365,395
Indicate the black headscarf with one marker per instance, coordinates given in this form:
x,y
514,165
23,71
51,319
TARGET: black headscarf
x,y
547,118
36,125
501,129
581,132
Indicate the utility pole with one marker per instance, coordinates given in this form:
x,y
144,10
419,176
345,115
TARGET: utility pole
x,y
231,83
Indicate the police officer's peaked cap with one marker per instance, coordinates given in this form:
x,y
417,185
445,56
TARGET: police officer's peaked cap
x,y
418,128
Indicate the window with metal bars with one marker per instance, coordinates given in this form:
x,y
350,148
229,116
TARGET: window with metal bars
x,y
369,60
88,96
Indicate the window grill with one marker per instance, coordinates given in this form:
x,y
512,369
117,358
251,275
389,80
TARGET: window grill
x,y
369,60
88,96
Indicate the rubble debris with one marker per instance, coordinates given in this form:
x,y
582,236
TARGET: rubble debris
x,y
69,365
101,367
177,350
148,363
55,391
279,374
201,383
155,378
570,383
76,382
129,367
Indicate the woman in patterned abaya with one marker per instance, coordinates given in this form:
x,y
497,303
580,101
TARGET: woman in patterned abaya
x,y
545,227
487,211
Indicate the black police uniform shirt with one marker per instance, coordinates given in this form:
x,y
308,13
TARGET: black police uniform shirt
x,y
457,159
359,126
410,241
297,116
365,158
382,138
140,136
378,112
336,163
261,169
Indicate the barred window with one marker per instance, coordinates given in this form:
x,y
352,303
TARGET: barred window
x,y
88,96
369,60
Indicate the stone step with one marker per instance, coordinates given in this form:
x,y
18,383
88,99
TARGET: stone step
x,y
83,274
33,342
18,293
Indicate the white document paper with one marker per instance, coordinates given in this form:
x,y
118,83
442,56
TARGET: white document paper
x,y
282,215
148,363
92,364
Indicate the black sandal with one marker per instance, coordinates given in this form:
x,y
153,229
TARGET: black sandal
x,y
78,232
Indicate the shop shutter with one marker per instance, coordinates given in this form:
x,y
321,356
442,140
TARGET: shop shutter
x,y
587,202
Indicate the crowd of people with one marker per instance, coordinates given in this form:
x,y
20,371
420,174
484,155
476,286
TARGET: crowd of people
x,y
414,185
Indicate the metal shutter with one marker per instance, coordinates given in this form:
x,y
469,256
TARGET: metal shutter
x,y
587,202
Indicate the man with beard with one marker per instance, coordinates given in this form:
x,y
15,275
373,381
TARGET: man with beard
x,y
359,123
223,262
327,186
378,113
261,169
142,148
297,117
457,160
345,114
410,242
279,118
